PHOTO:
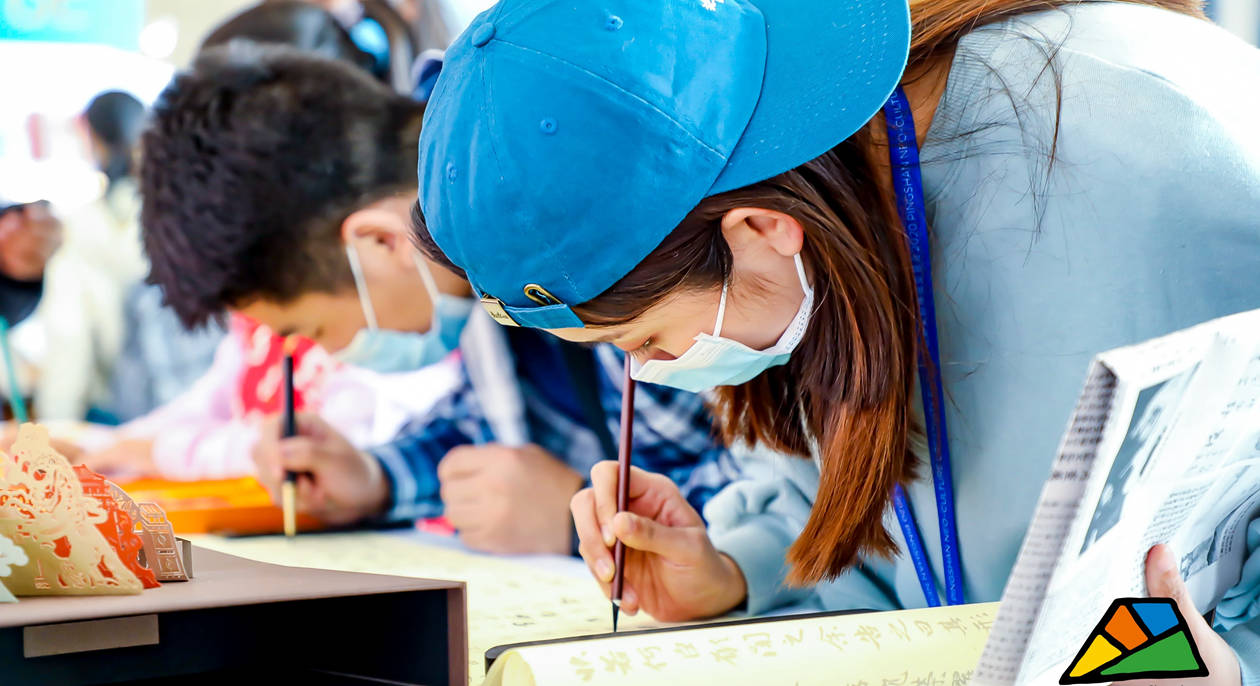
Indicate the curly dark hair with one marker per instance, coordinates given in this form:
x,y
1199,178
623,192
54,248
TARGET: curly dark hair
x,y
252,160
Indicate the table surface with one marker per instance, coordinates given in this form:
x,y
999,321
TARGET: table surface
x,y
219,580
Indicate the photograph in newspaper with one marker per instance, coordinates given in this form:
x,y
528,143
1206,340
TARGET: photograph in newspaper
x,y
1152,415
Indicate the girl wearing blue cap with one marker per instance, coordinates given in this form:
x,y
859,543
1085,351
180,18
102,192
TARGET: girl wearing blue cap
x,y
732,190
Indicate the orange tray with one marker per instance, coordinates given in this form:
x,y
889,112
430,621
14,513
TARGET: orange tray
x,y
224,506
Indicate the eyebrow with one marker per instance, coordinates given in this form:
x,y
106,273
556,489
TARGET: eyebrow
x,y
611,336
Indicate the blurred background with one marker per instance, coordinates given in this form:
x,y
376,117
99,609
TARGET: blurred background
x,y
77,76
70,50
58,54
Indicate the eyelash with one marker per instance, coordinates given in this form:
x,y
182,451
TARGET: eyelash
x,y
641,352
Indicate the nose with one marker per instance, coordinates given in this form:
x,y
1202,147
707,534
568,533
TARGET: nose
x,y
334,344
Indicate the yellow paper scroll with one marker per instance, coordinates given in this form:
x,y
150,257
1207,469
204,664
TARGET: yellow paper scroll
x,y
44,510
935,646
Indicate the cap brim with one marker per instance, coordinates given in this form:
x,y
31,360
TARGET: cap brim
x,y
821,84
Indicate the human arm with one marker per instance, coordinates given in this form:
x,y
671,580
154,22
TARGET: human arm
x,y
410,462
756,520
500,498
509,499
752,523
347,478
194,436
1237,615
672,570
1245,642
337,482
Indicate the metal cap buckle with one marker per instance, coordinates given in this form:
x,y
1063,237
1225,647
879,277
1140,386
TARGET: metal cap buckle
x,y
494,307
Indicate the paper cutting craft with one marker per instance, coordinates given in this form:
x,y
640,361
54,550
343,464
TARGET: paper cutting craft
x,y
10,556
1138,638
161,548
156,548
44,510
119,528
162,551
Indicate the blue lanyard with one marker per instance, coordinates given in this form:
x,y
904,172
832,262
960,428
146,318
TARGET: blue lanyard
x,y
903,153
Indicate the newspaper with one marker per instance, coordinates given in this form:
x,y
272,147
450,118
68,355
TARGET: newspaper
x,y
1163,447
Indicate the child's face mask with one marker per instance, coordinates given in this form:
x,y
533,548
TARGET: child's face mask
x,y
386,351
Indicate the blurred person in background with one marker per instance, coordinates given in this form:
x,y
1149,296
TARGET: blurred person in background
x,y
305,26
433,22
159,358
88,280
114,351
29,235
396,34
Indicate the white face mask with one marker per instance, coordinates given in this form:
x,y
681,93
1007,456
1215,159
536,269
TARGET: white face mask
x,y
715,361
386,351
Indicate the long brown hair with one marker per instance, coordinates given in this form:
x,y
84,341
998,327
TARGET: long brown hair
x,y
850,381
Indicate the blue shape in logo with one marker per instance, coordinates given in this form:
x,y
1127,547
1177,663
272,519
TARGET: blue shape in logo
x,y
1158,617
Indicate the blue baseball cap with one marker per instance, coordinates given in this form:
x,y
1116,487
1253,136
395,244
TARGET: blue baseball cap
x,y
565,139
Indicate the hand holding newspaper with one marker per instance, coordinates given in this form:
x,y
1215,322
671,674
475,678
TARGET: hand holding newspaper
x,y
1164,447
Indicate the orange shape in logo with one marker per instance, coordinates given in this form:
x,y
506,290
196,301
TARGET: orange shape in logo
x,y
1125,630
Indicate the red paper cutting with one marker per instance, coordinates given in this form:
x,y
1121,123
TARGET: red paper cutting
x,y
118,527
44,511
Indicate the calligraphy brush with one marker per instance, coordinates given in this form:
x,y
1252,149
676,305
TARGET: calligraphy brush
x,y
288,489
623,486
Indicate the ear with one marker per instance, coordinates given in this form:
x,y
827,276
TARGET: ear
x,y
378,232
744,226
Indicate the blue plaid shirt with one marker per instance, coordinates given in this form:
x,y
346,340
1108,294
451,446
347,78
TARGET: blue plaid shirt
x,y
673,434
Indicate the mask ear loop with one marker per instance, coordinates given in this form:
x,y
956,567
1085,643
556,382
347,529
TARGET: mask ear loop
x,y
430,285
360,286
800,273
717,324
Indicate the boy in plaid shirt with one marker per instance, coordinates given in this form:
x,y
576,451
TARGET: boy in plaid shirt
x,y
277,184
